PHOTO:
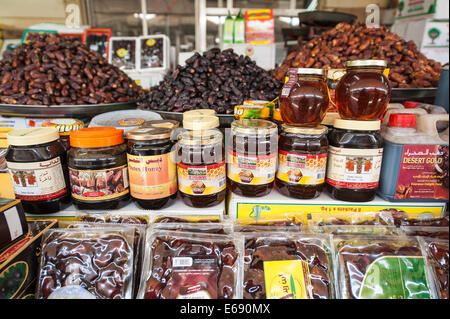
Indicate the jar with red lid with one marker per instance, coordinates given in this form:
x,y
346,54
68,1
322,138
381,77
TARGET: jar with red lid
x,y
363,93
64,127
304,98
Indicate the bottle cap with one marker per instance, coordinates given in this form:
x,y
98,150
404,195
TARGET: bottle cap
x,y
199,123
410,104
402,120
92,137
32,136
357,125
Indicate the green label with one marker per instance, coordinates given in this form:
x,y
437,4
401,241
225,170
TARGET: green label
x,y
396,278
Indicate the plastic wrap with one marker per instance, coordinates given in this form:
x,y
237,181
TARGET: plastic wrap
x,y
114,218
426,231
87,263
223,228
166,218
282,223
352,218
287,266
355,230
436,251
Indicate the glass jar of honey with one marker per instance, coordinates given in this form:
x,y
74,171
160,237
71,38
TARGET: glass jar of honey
x,y
363,93
304,98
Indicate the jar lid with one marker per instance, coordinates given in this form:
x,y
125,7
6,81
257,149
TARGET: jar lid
x,y
91,137
162,123
64,126
199,112
201,122
377,63
357,125
149,133
410,104
254,127
32,136
318,130
402,120
200,137
311,71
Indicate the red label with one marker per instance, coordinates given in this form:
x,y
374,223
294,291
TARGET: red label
x,y
292,80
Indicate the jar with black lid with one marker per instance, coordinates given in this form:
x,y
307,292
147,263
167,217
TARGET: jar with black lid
x,y
98,168
201,168
354,160
37,164
302,161
152,167
252,157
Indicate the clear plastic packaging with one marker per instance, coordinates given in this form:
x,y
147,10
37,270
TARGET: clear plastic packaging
x,y
381,267
181,265
282,223
154,53
351,218
402,219
124,53
114,218
93,263
426,231
287,266
170,218
436,252
355,230
224,228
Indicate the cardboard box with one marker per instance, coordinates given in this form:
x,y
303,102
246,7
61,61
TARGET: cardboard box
x,y
13,223
19,263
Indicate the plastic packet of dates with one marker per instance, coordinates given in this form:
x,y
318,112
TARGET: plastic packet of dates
x,y
287,266
352,218
123,53
436,251
355,230
223,228
114,218
426,231
171,218
433,222
281,223
86,263
381,267
182,265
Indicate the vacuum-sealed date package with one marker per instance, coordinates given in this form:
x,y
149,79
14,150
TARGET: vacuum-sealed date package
x,y
170,218
114,218
355,230
352,218
436,251
205,228
287,266
282,223
86,263
426,231
182,265
381,267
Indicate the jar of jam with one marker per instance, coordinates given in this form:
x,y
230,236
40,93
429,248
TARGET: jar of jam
x,y
201,168
252,157
363,93
98,168
37,164
302,161
304,98
152,167
354,160
64,127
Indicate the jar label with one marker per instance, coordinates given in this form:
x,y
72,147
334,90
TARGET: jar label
x,y
152,177
354,168
290,83
252,169
95,185
201,180
38,181
304,169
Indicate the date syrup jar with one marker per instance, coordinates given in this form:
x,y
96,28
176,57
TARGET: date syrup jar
x,y
37,163
363,93
151,166
304,99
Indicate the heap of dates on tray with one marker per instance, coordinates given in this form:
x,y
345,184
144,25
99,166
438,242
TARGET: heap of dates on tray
x,y
216,80
52,70
408,67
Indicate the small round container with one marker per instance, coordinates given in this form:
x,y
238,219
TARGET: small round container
x,y
98,168
302,161
64,127
252,157
354,160
363,93
151,166
37,163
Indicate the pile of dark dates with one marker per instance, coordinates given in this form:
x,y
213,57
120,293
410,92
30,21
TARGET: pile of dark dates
x,y
52,70
216,80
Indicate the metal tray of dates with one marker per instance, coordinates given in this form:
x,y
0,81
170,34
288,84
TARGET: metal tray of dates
x,y
412,94
61,111
225,119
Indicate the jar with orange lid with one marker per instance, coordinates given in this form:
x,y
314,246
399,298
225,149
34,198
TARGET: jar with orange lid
x,y
64,127
363,93
304,98
98,168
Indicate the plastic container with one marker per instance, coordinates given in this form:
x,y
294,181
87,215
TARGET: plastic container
x,y
124,53
154,53
64,127
416,159
354,160
98,168
363,93
37,164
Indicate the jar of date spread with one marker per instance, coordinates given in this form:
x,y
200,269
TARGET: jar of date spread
x,y
363,93
354,160
252,157
64,127
201,168
302,161
152,167
98,168
304,98
37,164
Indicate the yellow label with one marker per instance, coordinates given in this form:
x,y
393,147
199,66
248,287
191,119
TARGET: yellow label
x,y
121,52
201,180
287,279
150,42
